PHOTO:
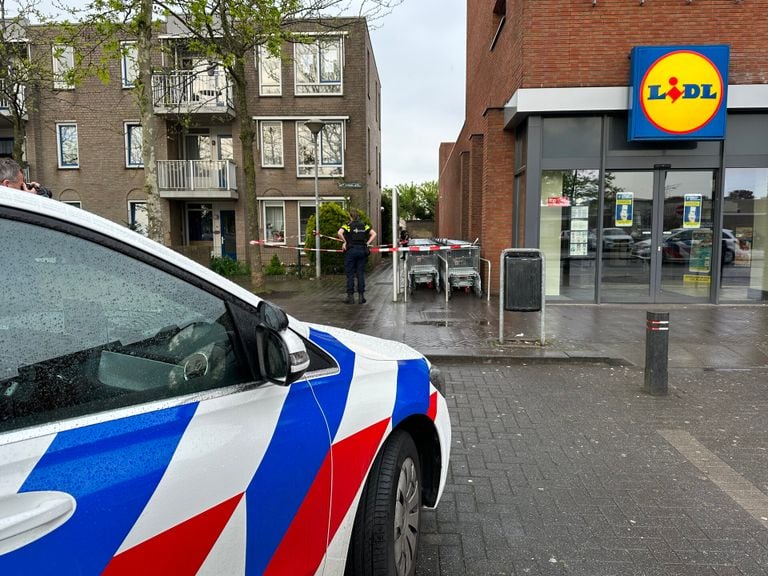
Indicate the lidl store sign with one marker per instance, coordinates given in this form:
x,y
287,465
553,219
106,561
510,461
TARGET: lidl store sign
x,y
678,92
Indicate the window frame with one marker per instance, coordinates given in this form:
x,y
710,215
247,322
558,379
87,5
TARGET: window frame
x,y
325,170
129,63
59,148
129,127
263,55
314,50
132,204
62,63
262,125
272,204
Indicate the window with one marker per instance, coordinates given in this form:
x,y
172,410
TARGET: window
x,y
270,73
200,222
85,329
138,219
568,232
66,135
306,211
318,67
133,146
745,242
331,147
130,64
63,62
274,222
75,203
272,144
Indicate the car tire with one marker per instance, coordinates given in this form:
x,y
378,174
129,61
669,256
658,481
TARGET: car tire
x,y
728,256
385,535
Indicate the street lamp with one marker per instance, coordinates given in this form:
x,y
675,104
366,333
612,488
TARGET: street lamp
x,y
315,125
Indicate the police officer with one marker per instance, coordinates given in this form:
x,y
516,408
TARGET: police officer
x,y
356,237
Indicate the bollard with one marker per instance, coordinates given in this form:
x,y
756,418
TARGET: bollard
x,y
656,352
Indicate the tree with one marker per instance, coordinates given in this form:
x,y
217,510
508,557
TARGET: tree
x,y
227,31
415,201
22,69
101,26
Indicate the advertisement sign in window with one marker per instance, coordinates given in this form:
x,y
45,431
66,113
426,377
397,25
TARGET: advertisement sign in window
x,y
624,208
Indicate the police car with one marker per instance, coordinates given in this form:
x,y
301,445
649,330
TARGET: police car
x,y
157,419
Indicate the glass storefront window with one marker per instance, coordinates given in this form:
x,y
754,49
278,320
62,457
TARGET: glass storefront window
x,y
567,233
574,137
743,275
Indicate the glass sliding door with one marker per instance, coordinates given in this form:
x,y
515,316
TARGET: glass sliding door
x,y
626,236
686,250
656,236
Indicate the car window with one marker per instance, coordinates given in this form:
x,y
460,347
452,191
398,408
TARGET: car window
x,y
84,329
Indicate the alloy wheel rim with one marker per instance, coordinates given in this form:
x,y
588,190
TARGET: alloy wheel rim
x,y
406,517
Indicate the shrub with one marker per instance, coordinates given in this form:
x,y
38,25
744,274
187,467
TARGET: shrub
x,y
226,266
275,268
332,217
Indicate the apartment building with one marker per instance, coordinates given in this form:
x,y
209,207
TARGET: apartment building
x,y
84,141
625,139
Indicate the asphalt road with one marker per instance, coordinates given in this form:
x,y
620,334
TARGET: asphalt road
x,y
572,469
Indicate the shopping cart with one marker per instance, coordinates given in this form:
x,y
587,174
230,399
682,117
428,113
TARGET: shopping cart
x,y
460,266
421,266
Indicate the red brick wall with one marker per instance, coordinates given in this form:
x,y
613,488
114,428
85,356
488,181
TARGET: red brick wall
x,y
474,211
551,43
498,176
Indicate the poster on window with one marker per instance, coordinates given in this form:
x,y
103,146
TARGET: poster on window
x,y
624,206
701,251
692,211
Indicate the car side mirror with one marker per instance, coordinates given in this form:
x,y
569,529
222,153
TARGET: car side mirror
x,y
282,356
271,316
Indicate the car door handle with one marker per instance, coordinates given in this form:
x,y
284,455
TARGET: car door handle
x,y
27,516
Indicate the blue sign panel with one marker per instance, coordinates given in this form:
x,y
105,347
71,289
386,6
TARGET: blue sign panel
x,y
678,92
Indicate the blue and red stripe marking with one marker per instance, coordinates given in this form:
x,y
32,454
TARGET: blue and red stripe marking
x,y
111,470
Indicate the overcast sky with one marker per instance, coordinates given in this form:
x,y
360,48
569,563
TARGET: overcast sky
x,y
420,53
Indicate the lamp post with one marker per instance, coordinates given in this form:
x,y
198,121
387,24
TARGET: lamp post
x,y
315,125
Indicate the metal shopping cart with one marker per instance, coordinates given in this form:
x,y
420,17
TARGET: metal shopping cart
x,y
460,266
422,266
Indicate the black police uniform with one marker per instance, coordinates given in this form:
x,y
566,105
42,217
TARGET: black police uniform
x,y
356,235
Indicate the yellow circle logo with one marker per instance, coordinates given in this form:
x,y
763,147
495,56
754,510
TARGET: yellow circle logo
x,y
681,92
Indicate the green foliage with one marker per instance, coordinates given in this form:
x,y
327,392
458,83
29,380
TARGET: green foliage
x,y
414,201
275,267
332,217
226,266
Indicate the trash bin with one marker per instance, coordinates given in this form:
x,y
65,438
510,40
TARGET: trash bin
x,y
522,282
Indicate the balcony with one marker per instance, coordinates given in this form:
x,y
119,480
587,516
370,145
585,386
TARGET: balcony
x,y
192,92
197,179
6,99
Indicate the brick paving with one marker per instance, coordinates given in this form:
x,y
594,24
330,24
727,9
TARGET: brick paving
x,y
564,469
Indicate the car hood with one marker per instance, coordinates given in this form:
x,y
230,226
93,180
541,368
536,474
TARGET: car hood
x,y
369,347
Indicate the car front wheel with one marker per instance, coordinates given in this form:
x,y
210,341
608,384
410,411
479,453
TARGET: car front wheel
x,y
385,535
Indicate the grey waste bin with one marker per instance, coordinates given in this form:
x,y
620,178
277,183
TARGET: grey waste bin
x,y
522,282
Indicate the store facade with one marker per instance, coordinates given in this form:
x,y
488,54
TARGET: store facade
x,y
625,188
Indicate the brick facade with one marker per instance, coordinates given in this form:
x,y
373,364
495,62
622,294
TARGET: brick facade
x,y
516,44
104,185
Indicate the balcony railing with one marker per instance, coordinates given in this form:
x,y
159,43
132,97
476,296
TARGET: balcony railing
x,y
192,92
6,99
197,179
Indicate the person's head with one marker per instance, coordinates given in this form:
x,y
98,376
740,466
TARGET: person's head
x,y
354,214
11,174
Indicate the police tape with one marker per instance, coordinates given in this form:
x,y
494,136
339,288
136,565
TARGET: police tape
x,y
374,249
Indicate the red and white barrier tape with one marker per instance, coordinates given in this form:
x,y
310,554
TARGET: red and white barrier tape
x,y
379,249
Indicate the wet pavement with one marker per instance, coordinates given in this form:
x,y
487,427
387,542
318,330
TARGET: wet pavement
x,y
560,463
466,326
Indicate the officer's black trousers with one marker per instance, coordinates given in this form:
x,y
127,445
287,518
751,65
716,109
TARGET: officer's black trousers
x,y
354,265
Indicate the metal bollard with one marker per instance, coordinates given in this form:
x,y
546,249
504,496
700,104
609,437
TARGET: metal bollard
x,y
656,352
